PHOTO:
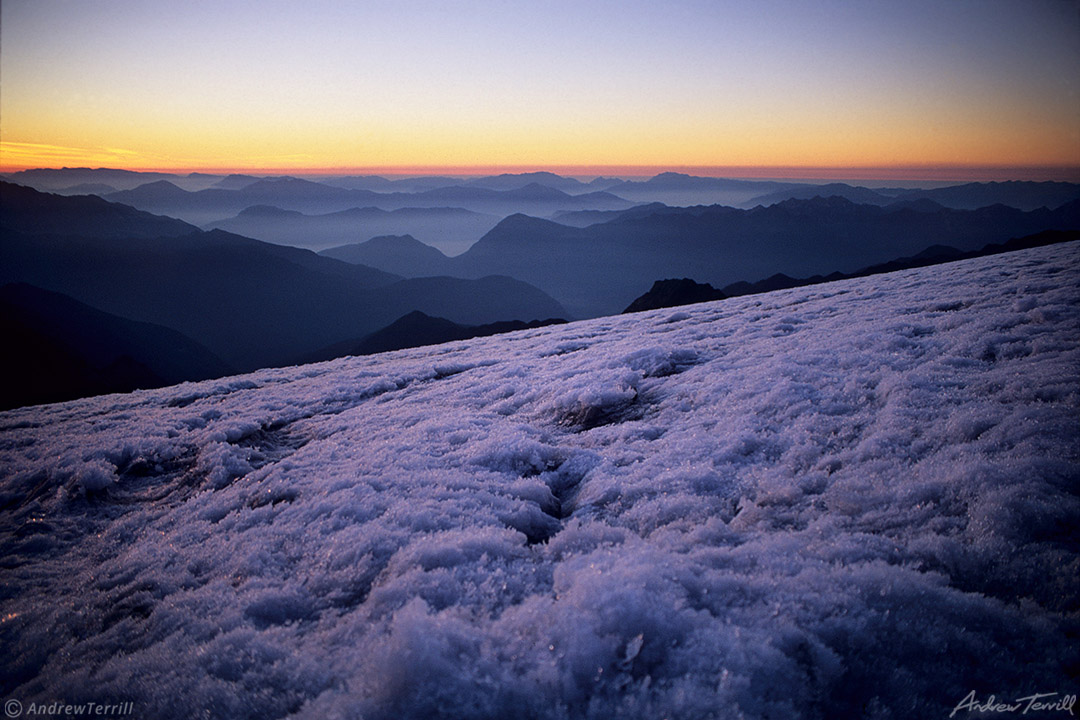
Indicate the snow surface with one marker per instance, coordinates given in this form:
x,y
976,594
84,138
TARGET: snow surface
x,y
856,499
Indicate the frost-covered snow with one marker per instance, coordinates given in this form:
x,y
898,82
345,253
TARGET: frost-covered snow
x,y
853,499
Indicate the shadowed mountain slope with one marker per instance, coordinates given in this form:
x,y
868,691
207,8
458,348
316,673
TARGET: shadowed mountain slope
x,y
211,205
253,304
600,269
513,181
1022,195
23,209
679,189
417,329
674,292
933,255
57,348
57,179
405,254
676,189
453,230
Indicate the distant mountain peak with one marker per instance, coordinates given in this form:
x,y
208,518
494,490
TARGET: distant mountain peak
x,y
519,222
158,185
537,174
536,191
23,209
267,211
288,182
517,219
395,241
674,292
923,205
400,254
817,203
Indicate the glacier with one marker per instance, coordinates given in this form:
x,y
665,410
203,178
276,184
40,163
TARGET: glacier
x,y
856,499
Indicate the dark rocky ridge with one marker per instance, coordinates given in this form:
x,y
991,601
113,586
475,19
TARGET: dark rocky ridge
x,y
670,293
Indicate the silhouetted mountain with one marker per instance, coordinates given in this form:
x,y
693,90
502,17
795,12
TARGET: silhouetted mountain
x,y
417,329
531,198
253,304
211,205
676,189
682,181
970,196
27,210
779,281
522,246
98,189
1017,194
236,182
585,218
604,183
247,302
51,179
452,229
57,180
411,257
855,194
683,190
387,185
484,300
933,255
671,293
513,181
154,193
939,251
375,183
270,189
57,348
268,212
918,205
506,181
600,269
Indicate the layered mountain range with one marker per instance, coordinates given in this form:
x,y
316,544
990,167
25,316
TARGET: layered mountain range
x,y
600,269
243,291
204,206
452,213
455,229
251,304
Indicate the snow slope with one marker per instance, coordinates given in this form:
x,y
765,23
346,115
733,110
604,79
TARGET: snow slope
x,y
856,499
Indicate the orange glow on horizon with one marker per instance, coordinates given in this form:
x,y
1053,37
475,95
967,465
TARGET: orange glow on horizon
x,y
15,161
907,91
15,156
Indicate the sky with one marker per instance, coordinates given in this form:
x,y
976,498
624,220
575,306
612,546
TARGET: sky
x,y
912,86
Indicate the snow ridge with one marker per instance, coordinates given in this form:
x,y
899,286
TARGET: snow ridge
x,y
855,499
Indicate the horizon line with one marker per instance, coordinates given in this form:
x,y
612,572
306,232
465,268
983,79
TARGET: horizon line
x,y
922,172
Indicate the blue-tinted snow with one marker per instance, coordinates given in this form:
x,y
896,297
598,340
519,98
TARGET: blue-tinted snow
x,y
853,499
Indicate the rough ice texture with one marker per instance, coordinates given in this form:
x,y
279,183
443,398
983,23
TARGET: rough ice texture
x,y
848,500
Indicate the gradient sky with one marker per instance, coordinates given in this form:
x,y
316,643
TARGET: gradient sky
x,y
266,85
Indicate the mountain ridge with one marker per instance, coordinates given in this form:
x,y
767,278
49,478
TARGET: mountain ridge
x,y
61,349
453,230
418,329
253,304
601,268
